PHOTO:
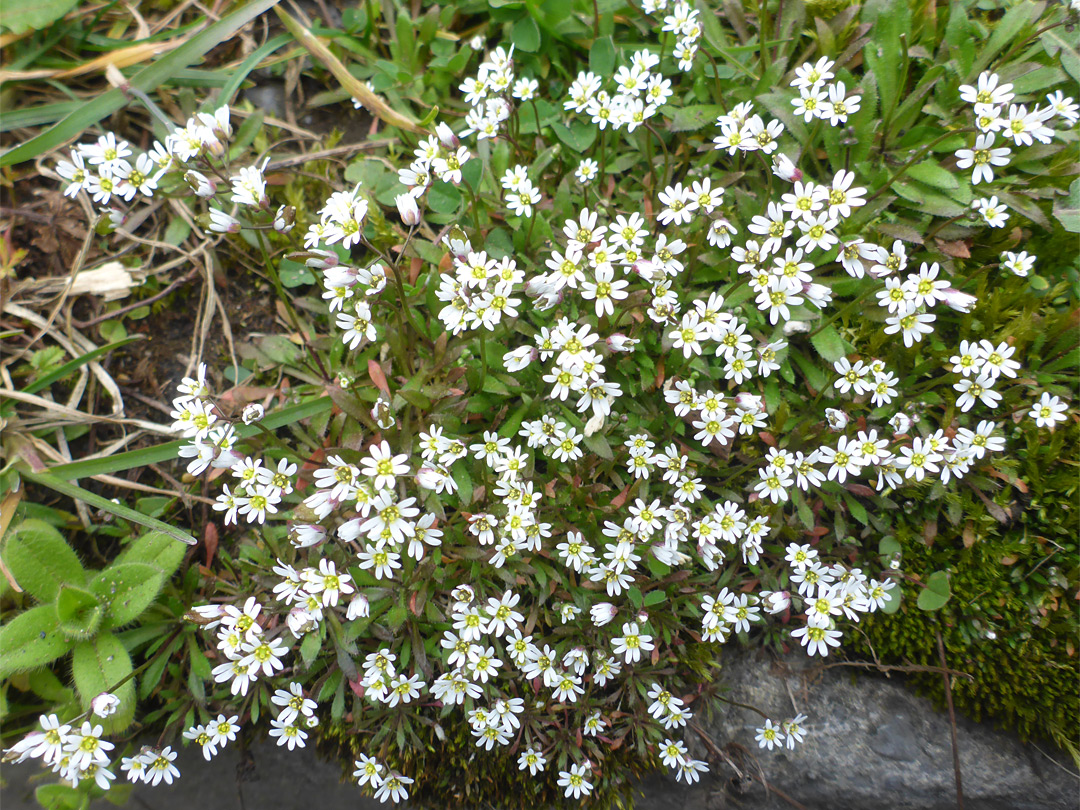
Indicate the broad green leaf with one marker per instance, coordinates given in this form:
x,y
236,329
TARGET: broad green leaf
x,y
1067,209
693,117
60,797
41,561
932,174
156,549
579,136
443,198
1055,42
79,612
145,80
655,598
293,274
30,640
99,666
602,56
127,590
829,344
936,593
21,16
526,35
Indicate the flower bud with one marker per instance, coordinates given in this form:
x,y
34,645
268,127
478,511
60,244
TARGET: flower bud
x,y
428,478
837,419
520,358
750,402
408,210
383,415
785,169
621,343
602,613
358,608
300,621
285,219
446,135
796,328
900,423
253,412
319,259
105,704
959,301
642,617
775,601
645,268
220,222
305,535
199,183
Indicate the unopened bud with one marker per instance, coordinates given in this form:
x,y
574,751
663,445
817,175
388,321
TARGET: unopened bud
x,y
408,209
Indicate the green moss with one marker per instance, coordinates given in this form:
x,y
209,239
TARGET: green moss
x,y
1011,622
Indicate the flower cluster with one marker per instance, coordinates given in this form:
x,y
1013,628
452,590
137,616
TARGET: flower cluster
x,y
80,754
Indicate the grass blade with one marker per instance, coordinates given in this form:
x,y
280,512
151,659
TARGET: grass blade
x,y
168,451
87,497
233,84
75,364
145,80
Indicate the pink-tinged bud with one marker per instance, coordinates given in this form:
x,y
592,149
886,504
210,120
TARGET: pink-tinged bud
x,y
408,210
428,478
446,136
642,617
520,358
785,169
961,302
105,704
837,419
648,270
621,343
305,535
321,259
117,217
775,601
358,608
209,616
749,402
603,612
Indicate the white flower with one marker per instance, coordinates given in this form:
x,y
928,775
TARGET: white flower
x,y
1048,411
105,704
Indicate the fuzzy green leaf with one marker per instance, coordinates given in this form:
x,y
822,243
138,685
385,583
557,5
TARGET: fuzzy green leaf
x,y
31,639
933,175
602,56
41,560
526,35
79,612
829,344
127,590
156,549
98,666
60,797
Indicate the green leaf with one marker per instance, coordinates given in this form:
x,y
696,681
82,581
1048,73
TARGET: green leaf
x,y
1067,209
695,116
636,598
655,598
1005,32
127,590
598,443
145,80
526,35
79,612
21,16
293,274
936,593
98,666
41,561
829,344
602,56
1054,42
80,494
156,549
579,136
443,198
933,175
30,640
888,547
60,797
892,601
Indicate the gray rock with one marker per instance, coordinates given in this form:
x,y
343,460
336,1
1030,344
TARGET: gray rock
x,y
869,744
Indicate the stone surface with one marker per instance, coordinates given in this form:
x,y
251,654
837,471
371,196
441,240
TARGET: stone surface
x,y
870,744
